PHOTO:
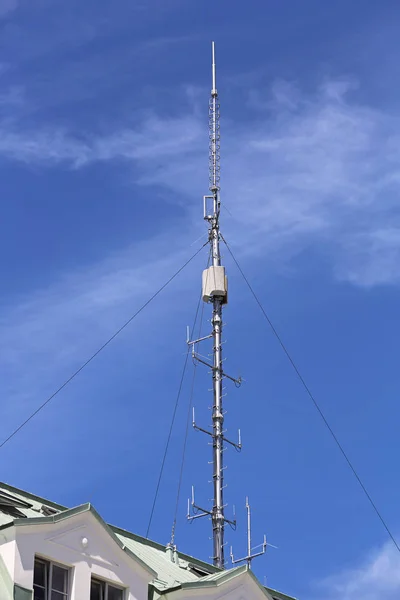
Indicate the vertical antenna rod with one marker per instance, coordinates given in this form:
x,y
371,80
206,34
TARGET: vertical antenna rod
x,y
249,557
215,292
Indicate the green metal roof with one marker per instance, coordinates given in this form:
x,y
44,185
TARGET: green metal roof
x,y
278,595
223,576
188,571
33,508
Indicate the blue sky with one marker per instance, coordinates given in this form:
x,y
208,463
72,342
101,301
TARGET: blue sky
x,y
103,163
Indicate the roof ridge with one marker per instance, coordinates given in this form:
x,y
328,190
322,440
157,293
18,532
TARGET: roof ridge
x,y
279,595
214,573
16,490
120,530
159,546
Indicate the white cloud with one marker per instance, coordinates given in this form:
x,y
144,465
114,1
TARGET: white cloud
x,y
320,170
156,138
377,578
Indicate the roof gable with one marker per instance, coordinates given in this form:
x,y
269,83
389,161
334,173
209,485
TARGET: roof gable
x,y
168,574
66,535
28,497
240,583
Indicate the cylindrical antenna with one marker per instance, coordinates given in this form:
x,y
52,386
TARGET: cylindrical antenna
x,y
214,139
214,77
248,531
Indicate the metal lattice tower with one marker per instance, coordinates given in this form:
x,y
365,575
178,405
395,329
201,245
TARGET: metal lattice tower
x,y
215,292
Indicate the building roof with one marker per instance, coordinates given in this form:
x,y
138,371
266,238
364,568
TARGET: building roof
x,y
170,568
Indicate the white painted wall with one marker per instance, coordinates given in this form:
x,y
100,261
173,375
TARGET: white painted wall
x,y
62,543
7,549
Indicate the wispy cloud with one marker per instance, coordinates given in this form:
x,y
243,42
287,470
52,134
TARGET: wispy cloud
x,y
320,169
155,139
7,6
48,334
377,578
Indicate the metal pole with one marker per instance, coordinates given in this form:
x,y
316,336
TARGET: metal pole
x,y
250,556
217,295
248,533
213,69
217,516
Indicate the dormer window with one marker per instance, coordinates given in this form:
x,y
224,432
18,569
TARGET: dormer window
x,y
10,505
50,581
102,590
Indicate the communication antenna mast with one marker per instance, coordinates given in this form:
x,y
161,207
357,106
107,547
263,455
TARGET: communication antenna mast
x,y
215,292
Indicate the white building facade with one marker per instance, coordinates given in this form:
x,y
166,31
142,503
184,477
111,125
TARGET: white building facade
x,y
48,552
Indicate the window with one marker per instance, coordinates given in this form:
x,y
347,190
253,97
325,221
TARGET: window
x,y
50,581
101,590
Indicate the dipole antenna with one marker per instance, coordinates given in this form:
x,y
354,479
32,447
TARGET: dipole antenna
x,y
215,292
251,554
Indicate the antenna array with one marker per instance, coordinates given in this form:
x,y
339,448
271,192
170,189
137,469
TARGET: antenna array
x,y
215,292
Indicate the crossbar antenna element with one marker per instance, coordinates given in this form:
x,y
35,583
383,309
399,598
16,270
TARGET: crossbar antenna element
x,y
251,554
215,292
